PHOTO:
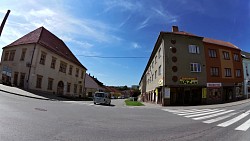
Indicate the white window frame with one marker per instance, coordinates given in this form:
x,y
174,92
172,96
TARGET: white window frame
x,y
228,72
194,49
159,70
238,73
195,67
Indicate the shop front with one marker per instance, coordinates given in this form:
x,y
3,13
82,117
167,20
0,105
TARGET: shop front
x,y
6,75
214,93
184,95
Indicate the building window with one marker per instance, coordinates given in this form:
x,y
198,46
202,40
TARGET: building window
x,y
50,83
53,63
152,64
155,59
212,53
6,55
226,55
214,71
68,87
75,88
12,55
80,89
70,69
159,70
63,67
228,72
152,77
82,74
39,81
194,49
236,57
195,67
22,79
155,74
43,57
77,72
238,73
159,53
23,54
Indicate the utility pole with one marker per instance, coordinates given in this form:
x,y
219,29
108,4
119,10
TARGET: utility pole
x,y
3,22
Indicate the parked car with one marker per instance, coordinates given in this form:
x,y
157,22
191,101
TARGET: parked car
x,y
102,98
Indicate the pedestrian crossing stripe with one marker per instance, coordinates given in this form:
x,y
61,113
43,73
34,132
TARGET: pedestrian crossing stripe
x,y
209,116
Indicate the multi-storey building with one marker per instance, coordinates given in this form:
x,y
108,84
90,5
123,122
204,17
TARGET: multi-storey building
x,y
178,73
40,61
224,71
246,70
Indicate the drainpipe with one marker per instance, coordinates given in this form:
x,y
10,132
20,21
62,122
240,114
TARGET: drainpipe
x,y
31,65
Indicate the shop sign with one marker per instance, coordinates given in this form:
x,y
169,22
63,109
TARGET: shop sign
x,y
7,71
191,81
160,82
204,92
213,85
167,93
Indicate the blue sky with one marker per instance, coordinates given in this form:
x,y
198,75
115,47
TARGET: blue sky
x,y
124,28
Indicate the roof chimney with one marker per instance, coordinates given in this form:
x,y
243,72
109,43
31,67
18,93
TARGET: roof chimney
x,y
175,29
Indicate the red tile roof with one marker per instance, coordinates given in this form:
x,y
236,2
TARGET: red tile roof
x,y
48,40
219,42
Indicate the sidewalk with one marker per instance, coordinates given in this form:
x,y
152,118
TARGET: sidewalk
x,y
152,105
20,92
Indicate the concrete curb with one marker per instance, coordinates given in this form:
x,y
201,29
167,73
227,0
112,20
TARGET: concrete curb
x,y
231,104
26,95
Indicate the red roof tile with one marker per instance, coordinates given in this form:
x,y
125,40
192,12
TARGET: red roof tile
x,y
219,42
48,40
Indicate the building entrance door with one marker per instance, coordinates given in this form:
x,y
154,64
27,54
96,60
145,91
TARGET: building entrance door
x,y
60,88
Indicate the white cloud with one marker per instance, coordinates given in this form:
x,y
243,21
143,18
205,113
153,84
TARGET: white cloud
x,y
136,45
82,44
123,5
143,24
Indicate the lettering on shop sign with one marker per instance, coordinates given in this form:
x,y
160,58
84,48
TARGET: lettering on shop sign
x,y
192,81
213,85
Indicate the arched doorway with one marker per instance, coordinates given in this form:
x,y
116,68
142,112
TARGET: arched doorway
x,y
60,87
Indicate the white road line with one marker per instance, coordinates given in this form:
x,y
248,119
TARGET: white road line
x,y
178,111
213,115
229,122
244,126
182,111
203,111
219,118
202,114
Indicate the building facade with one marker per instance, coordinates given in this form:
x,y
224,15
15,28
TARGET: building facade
x,y
92,85
40,61
246,70
177,72
224,71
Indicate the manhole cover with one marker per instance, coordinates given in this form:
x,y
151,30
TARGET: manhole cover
x,y
40,109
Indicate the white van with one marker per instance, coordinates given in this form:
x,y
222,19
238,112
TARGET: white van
x,y
102,98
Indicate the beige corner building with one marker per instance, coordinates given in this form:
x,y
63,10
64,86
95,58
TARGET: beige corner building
x,y
40,61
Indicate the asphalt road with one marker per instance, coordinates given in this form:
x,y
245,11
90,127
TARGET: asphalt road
x,y
27,119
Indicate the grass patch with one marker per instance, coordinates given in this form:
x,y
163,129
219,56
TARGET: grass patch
x,y
133,103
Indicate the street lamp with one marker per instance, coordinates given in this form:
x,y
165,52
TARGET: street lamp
x,y
4,20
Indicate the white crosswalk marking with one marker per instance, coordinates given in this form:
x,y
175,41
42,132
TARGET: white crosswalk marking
x,y
213,115
202,114
196,112
244,126
229,122
219,118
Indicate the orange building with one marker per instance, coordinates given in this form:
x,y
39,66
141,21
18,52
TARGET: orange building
x,y
224,71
